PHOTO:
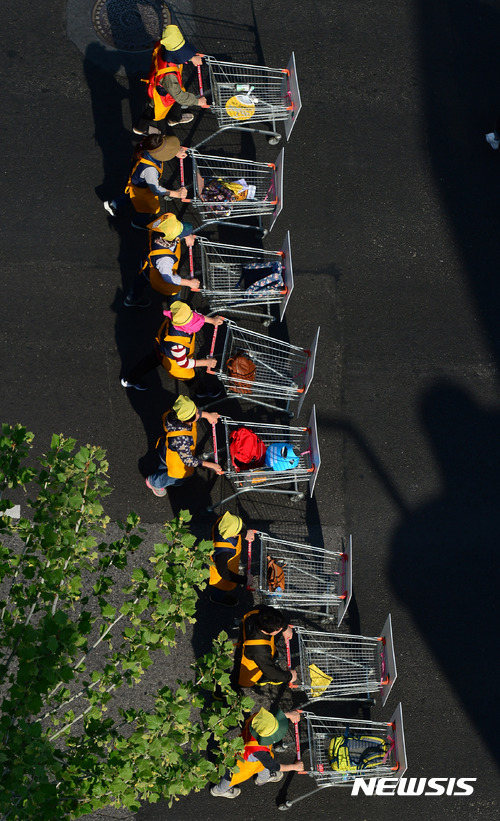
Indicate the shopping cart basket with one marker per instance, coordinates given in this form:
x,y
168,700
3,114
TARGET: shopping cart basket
x,y
337,667
244,95
258,189
358,736
317,580
223,270
279,371
264,479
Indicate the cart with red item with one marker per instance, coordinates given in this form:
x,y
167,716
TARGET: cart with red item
x,y
337,666
316,581
264,479
341,751
233,278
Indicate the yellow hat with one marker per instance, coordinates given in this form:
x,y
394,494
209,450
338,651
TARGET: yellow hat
x,y
230,525
181,313
168,225
172,38
184,408
268,728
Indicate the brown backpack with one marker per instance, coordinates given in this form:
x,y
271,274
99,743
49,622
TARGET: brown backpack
x,y
275,575
242,370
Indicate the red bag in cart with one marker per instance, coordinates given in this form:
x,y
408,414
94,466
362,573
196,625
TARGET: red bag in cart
x,y
247,450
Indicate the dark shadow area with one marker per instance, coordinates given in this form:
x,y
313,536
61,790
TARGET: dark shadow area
x,y
444,565
445,561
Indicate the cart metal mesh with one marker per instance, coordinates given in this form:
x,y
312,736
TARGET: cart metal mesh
x,y
282,371
315,578
261,176
222,273
321,730
245,93
335,666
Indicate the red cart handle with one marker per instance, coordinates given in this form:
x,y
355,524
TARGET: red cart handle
x,y
296,727
212,347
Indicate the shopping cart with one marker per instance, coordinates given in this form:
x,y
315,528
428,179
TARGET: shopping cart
x,y
317,580
223,269
279,371
321,730
244,95
337,667
258,189
264,479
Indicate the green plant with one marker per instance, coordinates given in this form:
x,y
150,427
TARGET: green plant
x,y
67,646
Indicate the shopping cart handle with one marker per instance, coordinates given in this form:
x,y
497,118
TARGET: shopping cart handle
x,y
292,686
185,199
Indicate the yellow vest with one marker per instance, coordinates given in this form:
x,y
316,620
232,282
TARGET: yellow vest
x,y
170,365
233,562
155,278
248,768
141,196
250,673
175,466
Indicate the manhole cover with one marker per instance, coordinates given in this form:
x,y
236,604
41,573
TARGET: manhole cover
x,y
130,25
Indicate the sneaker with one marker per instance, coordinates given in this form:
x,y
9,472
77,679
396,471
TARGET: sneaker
x,y
228,601
493,139
140,132
186,118
136,385
109,206
139,227
209,394
281,746
158,491
232,792
273,778
153,130
143,302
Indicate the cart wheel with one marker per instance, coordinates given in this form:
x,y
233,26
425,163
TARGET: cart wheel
x,y
274,140
285,806
297,497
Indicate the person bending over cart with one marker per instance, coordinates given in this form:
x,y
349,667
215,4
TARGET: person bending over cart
x,y
161,264
260,732
174,349
143,189
225,560
165,90
256,660
177,448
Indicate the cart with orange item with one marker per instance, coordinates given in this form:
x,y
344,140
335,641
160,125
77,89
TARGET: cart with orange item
x,y
255,368
316,581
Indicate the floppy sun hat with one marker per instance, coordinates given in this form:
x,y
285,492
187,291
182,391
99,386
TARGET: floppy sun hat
x,y
167,150
269,728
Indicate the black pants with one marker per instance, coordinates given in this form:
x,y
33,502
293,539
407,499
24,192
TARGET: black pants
x,y
201,381
147,118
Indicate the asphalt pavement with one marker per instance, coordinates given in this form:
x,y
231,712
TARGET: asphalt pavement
x,y
391,200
